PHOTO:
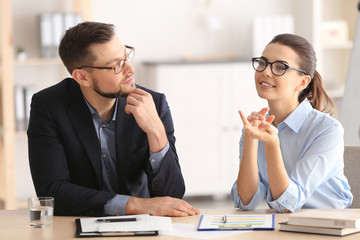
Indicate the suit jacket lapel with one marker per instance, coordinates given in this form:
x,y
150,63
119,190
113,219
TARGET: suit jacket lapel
x,y
84,127
120,141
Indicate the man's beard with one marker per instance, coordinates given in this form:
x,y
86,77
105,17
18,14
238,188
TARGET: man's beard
x,y
110,95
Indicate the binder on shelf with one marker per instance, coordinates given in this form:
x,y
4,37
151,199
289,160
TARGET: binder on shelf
x,y
46,36
20,108
52,28
58,28
23,95
71,19
29,92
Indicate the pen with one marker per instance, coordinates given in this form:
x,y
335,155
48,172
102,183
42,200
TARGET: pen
x,y
224,218
116,219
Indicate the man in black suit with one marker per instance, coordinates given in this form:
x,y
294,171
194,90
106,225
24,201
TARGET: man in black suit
x,y
98,143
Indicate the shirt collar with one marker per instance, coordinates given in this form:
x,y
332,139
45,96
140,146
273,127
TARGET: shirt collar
x,y
93,110
297,118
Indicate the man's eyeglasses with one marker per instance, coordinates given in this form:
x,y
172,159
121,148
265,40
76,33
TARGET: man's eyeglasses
x,y
119,67
278,68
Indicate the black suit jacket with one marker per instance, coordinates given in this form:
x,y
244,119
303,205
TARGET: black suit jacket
x,y
65,160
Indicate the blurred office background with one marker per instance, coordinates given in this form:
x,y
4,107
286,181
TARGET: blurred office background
x,y
195,51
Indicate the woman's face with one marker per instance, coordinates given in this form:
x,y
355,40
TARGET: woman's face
x,y
285,88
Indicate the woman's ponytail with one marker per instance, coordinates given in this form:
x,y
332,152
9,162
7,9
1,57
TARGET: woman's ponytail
x,y
317,96
315,91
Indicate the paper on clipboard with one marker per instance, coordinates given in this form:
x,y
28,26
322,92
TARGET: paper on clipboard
x,y
145,222
237,222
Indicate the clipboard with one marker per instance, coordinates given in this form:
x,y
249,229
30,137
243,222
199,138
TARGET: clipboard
x,y
118,226
238,222
80,234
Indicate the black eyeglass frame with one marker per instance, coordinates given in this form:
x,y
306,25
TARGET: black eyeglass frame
x,y
271,66
121,63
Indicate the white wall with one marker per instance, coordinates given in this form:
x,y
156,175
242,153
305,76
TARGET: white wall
x,y
161,29
171,30
350,113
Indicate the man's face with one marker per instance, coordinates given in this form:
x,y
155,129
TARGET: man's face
x,y
105,82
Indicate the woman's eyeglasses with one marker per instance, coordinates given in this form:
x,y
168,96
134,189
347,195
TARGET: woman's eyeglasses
x,y
278,68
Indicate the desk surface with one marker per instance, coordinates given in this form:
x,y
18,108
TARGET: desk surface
x,y
14,224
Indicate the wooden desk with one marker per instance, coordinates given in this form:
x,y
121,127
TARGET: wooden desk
x,y
14,224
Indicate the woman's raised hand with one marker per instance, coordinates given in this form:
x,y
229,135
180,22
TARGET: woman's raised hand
x,y
258,126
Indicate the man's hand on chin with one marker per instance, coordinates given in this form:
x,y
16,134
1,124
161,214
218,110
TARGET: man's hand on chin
x,y
141,105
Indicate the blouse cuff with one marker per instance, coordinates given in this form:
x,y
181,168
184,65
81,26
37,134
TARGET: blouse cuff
x,y
255,201
288,201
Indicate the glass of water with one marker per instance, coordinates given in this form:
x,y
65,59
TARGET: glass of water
x,y
41,210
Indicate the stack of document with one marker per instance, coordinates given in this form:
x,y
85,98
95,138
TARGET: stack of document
x,y
328,222
129,225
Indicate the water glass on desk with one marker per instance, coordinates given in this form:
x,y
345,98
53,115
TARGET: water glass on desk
x,y
41,210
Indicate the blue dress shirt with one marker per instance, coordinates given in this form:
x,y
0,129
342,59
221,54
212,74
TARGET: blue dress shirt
x,y
106,135
312,148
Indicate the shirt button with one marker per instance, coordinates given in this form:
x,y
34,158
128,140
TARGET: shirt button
x,y
104,155
153,160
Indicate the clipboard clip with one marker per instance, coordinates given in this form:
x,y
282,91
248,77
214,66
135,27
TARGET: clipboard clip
x,y
234,227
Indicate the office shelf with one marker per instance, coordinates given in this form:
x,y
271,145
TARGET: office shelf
x,y
9,70
37,61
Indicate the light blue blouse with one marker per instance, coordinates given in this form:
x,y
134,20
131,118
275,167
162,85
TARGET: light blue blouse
x,y
312,148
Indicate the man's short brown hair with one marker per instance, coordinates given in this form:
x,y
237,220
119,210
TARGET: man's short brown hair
x,y
74,49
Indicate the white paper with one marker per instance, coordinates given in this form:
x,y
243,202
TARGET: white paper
x,y
190,231
144,223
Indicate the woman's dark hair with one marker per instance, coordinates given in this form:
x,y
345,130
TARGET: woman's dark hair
x,y
315,91
74,48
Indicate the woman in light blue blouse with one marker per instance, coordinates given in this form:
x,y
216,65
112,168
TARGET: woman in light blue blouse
x,y
291,153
